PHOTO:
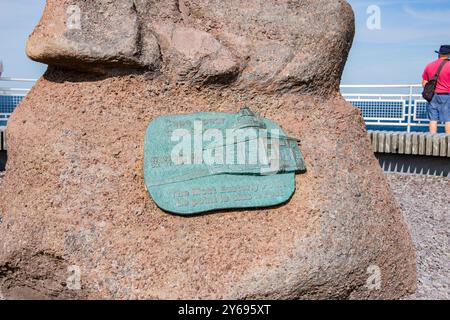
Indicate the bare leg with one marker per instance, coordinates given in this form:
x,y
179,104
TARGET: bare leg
x,y
434,127
447,127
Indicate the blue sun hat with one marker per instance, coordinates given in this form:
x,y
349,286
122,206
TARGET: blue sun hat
x,y
445,49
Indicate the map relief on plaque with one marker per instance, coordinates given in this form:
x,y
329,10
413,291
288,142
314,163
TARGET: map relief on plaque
x,y
208,161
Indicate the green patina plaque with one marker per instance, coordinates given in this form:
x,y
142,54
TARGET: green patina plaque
x,y
202,162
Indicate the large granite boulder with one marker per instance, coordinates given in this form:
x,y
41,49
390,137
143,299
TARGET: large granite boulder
x,y
73,198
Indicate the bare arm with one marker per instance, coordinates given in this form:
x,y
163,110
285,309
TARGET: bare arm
x,y
424,83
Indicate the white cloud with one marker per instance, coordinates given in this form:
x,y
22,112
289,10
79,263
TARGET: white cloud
x,y
402,34
433,16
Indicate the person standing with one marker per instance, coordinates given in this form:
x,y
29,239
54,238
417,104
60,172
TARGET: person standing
x,y
439,107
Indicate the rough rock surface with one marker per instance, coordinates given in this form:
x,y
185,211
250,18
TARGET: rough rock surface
x,y
73,194
274,45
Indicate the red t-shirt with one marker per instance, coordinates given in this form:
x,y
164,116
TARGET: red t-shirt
x,y
443,85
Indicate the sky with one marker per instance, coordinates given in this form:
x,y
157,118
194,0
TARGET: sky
x,y
17,20
394,39
411,30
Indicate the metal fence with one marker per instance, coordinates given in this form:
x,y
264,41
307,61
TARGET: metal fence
x,y
383,106
12,91
402,108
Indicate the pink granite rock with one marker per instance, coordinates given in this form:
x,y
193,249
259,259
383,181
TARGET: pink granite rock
x,y
73,198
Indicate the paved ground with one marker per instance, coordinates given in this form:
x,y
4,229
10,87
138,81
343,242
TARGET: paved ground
x,y
425,202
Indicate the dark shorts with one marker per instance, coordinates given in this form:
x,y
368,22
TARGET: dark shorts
x,y
439,108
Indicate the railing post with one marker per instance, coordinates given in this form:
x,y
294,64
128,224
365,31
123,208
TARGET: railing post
x,y
410,108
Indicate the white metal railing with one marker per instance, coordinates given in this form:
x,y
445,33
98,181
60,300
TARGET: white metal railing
x,y
4,116
18,79
12,91
7,90
403,108
396,105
